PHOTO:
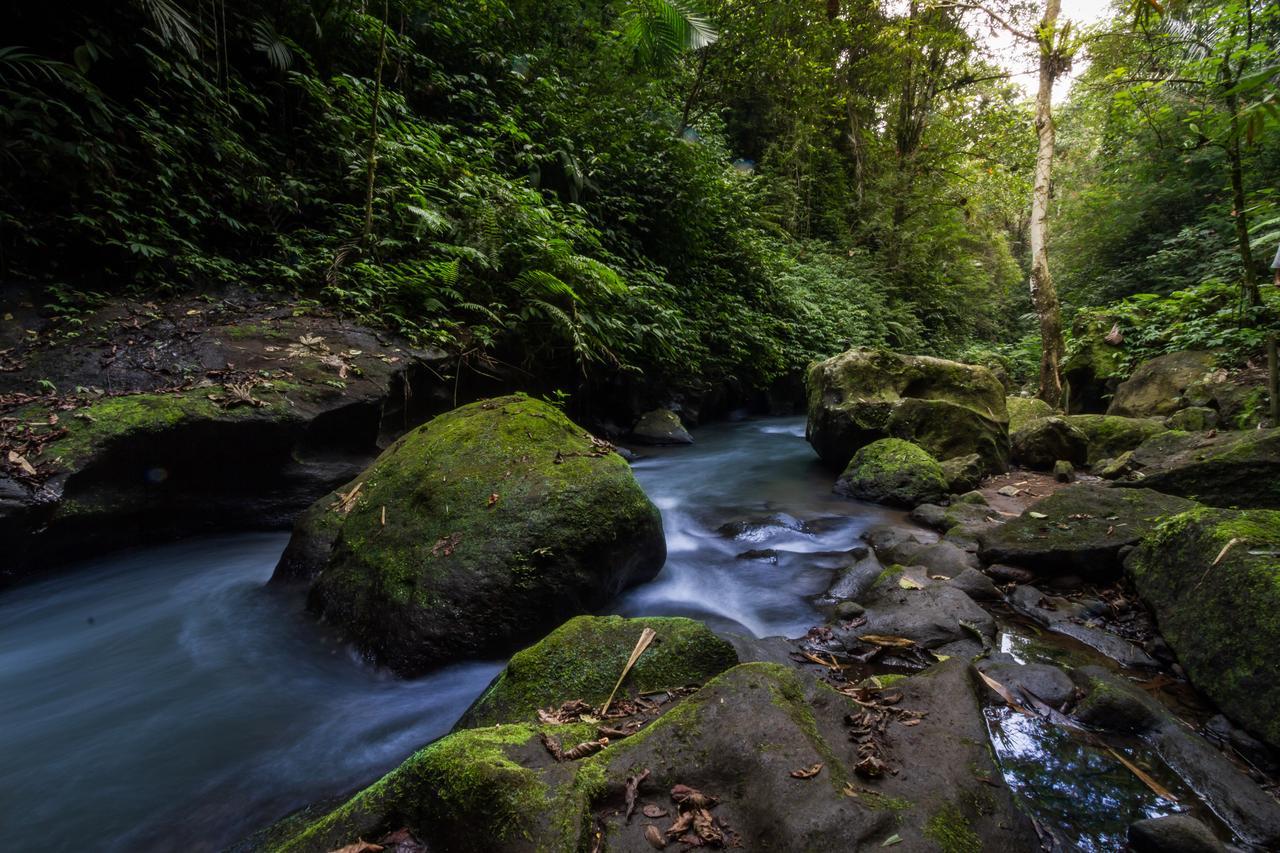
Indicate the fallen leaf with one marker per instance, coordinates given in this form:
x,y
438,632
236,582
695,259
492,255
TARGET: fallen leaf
x,y
1037,515
21,461
654,836
655,811
891,840
908,583
347,501
646,637
1156,788
493,500
883,640
359,847
686,796
807,772
1002,691
1225,548
871,767
633,786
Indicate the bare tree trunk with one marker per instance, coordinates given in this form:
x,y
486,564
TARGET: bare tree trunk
x,y
1043,295
1250,281
373,132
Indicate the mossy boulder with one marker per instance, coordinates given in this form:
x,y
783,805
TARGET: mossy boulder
x,y
963,473
1094,365
1212,577
1156,387
895,472
1111,435
1024,410
583,658
1041,443
661,426
476,532
737,739
1229,469
1239,398
947,408
1078,530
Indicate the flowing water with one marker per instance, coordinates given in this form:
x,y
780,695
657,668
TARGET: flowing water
x,y
164,699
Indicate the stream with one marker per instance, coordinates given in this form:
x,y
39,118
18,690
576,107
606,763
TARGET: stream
x,y
164,698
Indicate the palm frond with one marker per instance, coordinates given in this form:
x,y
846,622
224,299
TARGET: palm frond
x,y
172,24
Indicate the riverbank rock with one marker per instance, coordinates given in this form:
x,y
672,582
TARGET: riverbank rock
x,y
1024,410
1193,419
660,426
1042,442
963,473
1045,682
1080,529
1238,397
894,472
1156,387
583,658
1070,619
1212,577
171,418
1173,833
947,408
1240,469
741,740
477,531
1109,436
1112,703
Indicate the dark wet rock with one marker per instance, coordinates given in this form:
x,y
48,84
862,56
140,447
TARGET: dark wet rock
x,y
1009,574
849,610
963,473
1065,617
171,441
1047,683
972,497
777,650
761,528
1064,471
1193,419
1041,443
1111,435
976,585
768,555
1115,469
1212,578
934,616
853,581
944,518
1173,834
1112,703
894,472
947,408
737,739
1081,531
1024,410
1224,469
1239,399
660,426
1156,387
476,531
582,659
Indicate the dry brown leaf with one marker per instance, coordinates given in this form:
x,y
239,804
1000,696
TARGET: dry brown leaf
x,y
655,811
1002,691
654,836
1156,788
646,637
871,767
21,461
807,772
883,640
347,501
1225,548
633,787
359,847
493,500
692,797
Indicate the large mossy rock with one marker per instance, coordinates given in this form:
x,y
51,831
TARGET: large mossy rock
x,y
1212,576
1111,435
949,409
1024,410
661,426
1229,469
895,472
1094,366
1042,442
583,658
476,532
1079,530
738,739
1156,388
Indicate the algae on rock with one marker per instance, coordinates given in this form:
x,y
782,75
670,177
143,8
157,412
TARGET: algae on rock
x,y
895,472
476,532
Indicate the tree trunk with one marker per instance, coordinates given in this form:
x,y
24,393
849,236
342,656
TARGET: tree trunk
x,y
1043,295
1250,281
373,132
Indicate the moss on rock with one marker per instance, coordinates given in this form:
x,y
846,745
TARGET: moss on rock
x,y
895,472
1156,387
1212,576
480,530
1111,435
1041,443
1229,469
583,658
1024,410
949,409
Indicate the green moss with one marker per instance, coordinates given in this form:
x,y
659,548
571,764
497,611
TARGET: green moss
x,y
1024,410
1111,435
950,830
583,658
96,426
466,781
1227,640
895,472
